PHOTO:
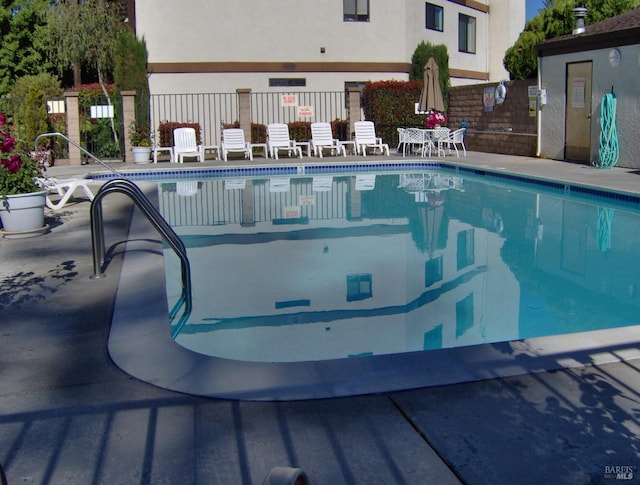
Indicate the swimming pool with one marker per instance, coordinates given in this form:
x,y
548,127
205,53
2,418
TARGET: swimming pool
x,y
406,269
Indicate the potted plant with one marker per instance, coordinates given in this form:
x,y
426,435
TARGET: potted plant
x,y
435,119
22,200
140,142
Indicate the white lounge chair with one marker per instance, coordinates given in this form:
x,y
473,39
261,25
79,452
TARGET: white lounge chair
x,y
65,189
278,139
233,141
322,183
454,138
279,184
365,181
366,138
322,139
187,188
185,145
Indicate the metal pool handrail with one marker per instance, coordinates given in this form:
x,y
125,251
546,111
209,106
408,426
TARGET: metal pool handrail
x,y
129,188
90,155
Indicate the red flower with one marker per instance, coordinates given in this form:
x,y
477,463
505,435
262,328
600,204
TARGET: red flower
x,y
8,144
13,164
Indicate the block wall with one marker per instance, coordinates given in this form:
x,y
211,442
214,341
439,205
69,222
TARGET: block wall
x,y
508,129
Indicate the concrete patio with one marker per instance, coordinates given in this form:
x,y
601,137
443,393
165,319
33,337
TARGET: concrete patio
x,y
68,415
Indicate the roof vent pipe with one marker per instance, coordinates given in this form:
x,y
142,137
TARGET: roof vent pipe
x,y
579,13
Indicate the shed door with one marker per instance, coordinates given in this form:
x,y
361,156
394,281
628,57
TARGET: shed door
x,y
578,112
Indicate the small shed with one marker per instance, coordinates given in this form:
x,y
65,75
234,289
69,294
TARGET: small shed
x,y
576,72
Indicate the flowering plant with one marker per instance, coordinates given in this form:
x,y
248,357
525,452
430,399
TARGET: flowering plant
x,y
18,173
139,135
435,119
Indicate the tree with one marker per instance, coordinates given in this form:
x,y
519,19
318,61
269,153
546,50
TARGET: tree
x,y
130,73
22,49
521,59
419,60
84,34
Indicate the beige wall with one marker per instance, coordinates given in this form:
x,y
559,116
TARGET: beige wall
x,y
254,31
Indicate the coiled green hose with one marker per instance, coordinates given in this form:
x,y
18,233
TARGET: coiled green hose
x,y
609,148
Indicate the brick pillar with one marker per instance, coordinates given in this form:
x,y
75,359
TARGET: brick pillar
x,y
128,117
353,108
73,126
244,112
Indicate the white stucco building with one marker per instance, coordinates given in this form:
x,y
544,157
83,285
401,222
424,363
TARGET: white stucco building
x,y
220,46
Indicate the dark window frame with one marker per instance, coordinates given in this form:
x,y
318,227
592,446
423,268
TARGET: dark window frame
x,y
431,17
433,271
467,43
359,287
287,82
351,11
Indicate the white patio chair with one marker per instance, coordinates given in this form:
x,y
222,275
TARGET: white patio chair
x,y
65,189
401,139
436,135
233,141
416,137
322,139
366,137
278,139
185,145
453,139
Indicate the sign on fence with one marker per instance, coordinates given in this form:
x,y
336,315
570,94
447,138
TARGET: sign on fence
x,y
289,100
55,107
101,111
305,111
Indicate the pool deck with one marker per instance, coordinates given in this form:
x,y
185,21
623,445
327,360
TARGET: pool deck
x,y
69,415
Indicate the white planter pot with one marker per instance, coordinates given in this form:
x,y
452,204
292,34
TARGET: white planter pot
x,y
23,215
141,154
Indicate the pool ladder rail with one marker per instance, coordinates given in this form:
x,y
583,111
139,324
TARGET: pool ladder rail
x,y
125,186
129,188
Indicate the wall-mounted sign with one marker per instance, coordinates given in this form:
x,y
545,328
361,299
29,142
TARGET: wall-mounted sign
x,y
289,100
578,85
489,99
305,111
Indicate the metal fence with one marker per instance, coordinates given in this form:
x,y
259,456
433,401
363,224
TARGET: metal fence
x,y
302,106
102,129
101,126
210,111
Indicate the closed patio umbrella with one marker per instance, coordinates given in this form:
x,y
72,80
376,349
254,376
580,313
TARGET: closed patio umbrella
x,y
431,97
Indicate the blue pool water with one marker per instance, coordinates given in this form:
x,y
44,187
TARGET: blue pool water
x,y
293,267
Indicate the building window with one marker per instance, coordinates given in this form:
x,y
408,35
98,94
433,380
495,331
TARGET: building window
x,y
283,82
466,34
356,10
432,271
464,315
466,249
359,287
435,17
